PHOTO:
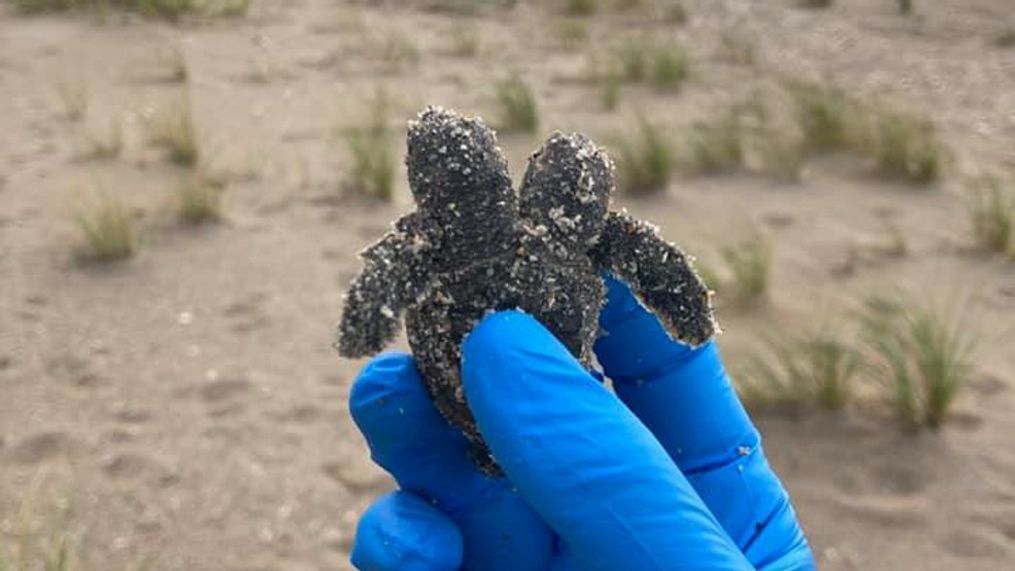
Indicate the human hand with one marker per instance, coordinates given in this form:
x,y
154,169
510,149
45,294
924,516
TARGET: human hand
x,y
667,472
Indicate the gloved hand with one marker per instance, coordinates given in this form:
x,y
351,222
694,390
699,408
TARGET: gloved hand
x,y
666,473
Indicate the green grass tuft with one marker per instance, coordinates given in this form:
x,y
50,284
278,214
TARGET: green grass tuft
x,y
571,34
172,128
580,7
519,111
906,147
1005,38
611,91
799,370
780,152
465,41
749,264
373,162
826,116
397,53
993,216
669,66
925,357
644,161
106,230
165,9
73,98
717,147
634,58
673,12
664,65
198,199
104,145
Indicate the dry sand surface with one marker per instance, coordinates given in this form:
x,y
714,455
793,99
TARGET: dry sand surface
x,y
186,403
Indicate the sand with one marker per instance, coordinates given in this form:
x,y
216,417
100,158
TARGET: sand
x,y
187,406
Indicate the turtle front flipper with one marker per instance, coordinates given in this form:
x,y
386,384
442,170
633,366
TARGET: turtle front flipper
x,y
396,271
660,275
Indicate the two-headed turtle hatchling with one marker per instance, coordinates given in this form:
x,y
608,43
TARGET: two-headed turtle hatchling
x,y
475,245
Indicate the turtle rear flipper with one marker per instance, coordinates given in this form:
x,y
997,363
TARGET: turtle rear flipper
x,y
660,275
396,271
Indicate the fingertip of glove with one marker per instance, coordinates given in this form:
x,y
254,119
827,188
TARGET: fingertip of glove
x,y
402,531
383,377
510,343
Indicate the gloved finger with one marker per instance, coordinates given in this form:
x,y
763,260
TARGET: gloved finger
x,y
564,559
402,532
426,455
686,399
682,394
581,459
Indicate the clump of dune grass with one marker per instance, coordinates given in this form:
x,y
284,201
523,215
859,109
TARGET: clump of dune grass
x,y
165,9
780,152
106,229
664,65
73,98
905,146
625,5
669,66
825,114
397,53
798,370
198,199
718,146
749,264
580,7
738,47
924,356
465,41
634,59
645,160
610,91
172,128
107,144
173,64
519,111
226,8
372,172
1005,38
46,546
571,34
993,215
673,12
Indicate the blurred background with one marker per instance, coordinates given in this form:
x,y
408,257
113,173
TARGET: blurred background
x,y
185,184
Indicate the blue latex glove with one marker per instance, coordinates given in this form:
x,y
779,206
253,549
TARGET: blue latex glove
x,y
666,473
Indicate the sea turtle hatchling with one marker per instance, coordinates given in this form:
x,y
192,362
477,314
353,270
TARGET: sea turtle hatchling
x,y
474,245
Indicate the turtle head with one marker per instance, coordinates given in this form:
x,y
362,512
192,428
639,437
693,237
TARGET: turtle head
x,y
455,167
567,190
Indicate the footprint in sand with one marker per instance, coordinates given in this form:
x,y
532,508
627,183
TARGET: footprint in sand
x,y
130,465
77,371
222,396
987,385
218,391
132,415
898,511
977,542
42,446
247,313
901,480
358,479
299,414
